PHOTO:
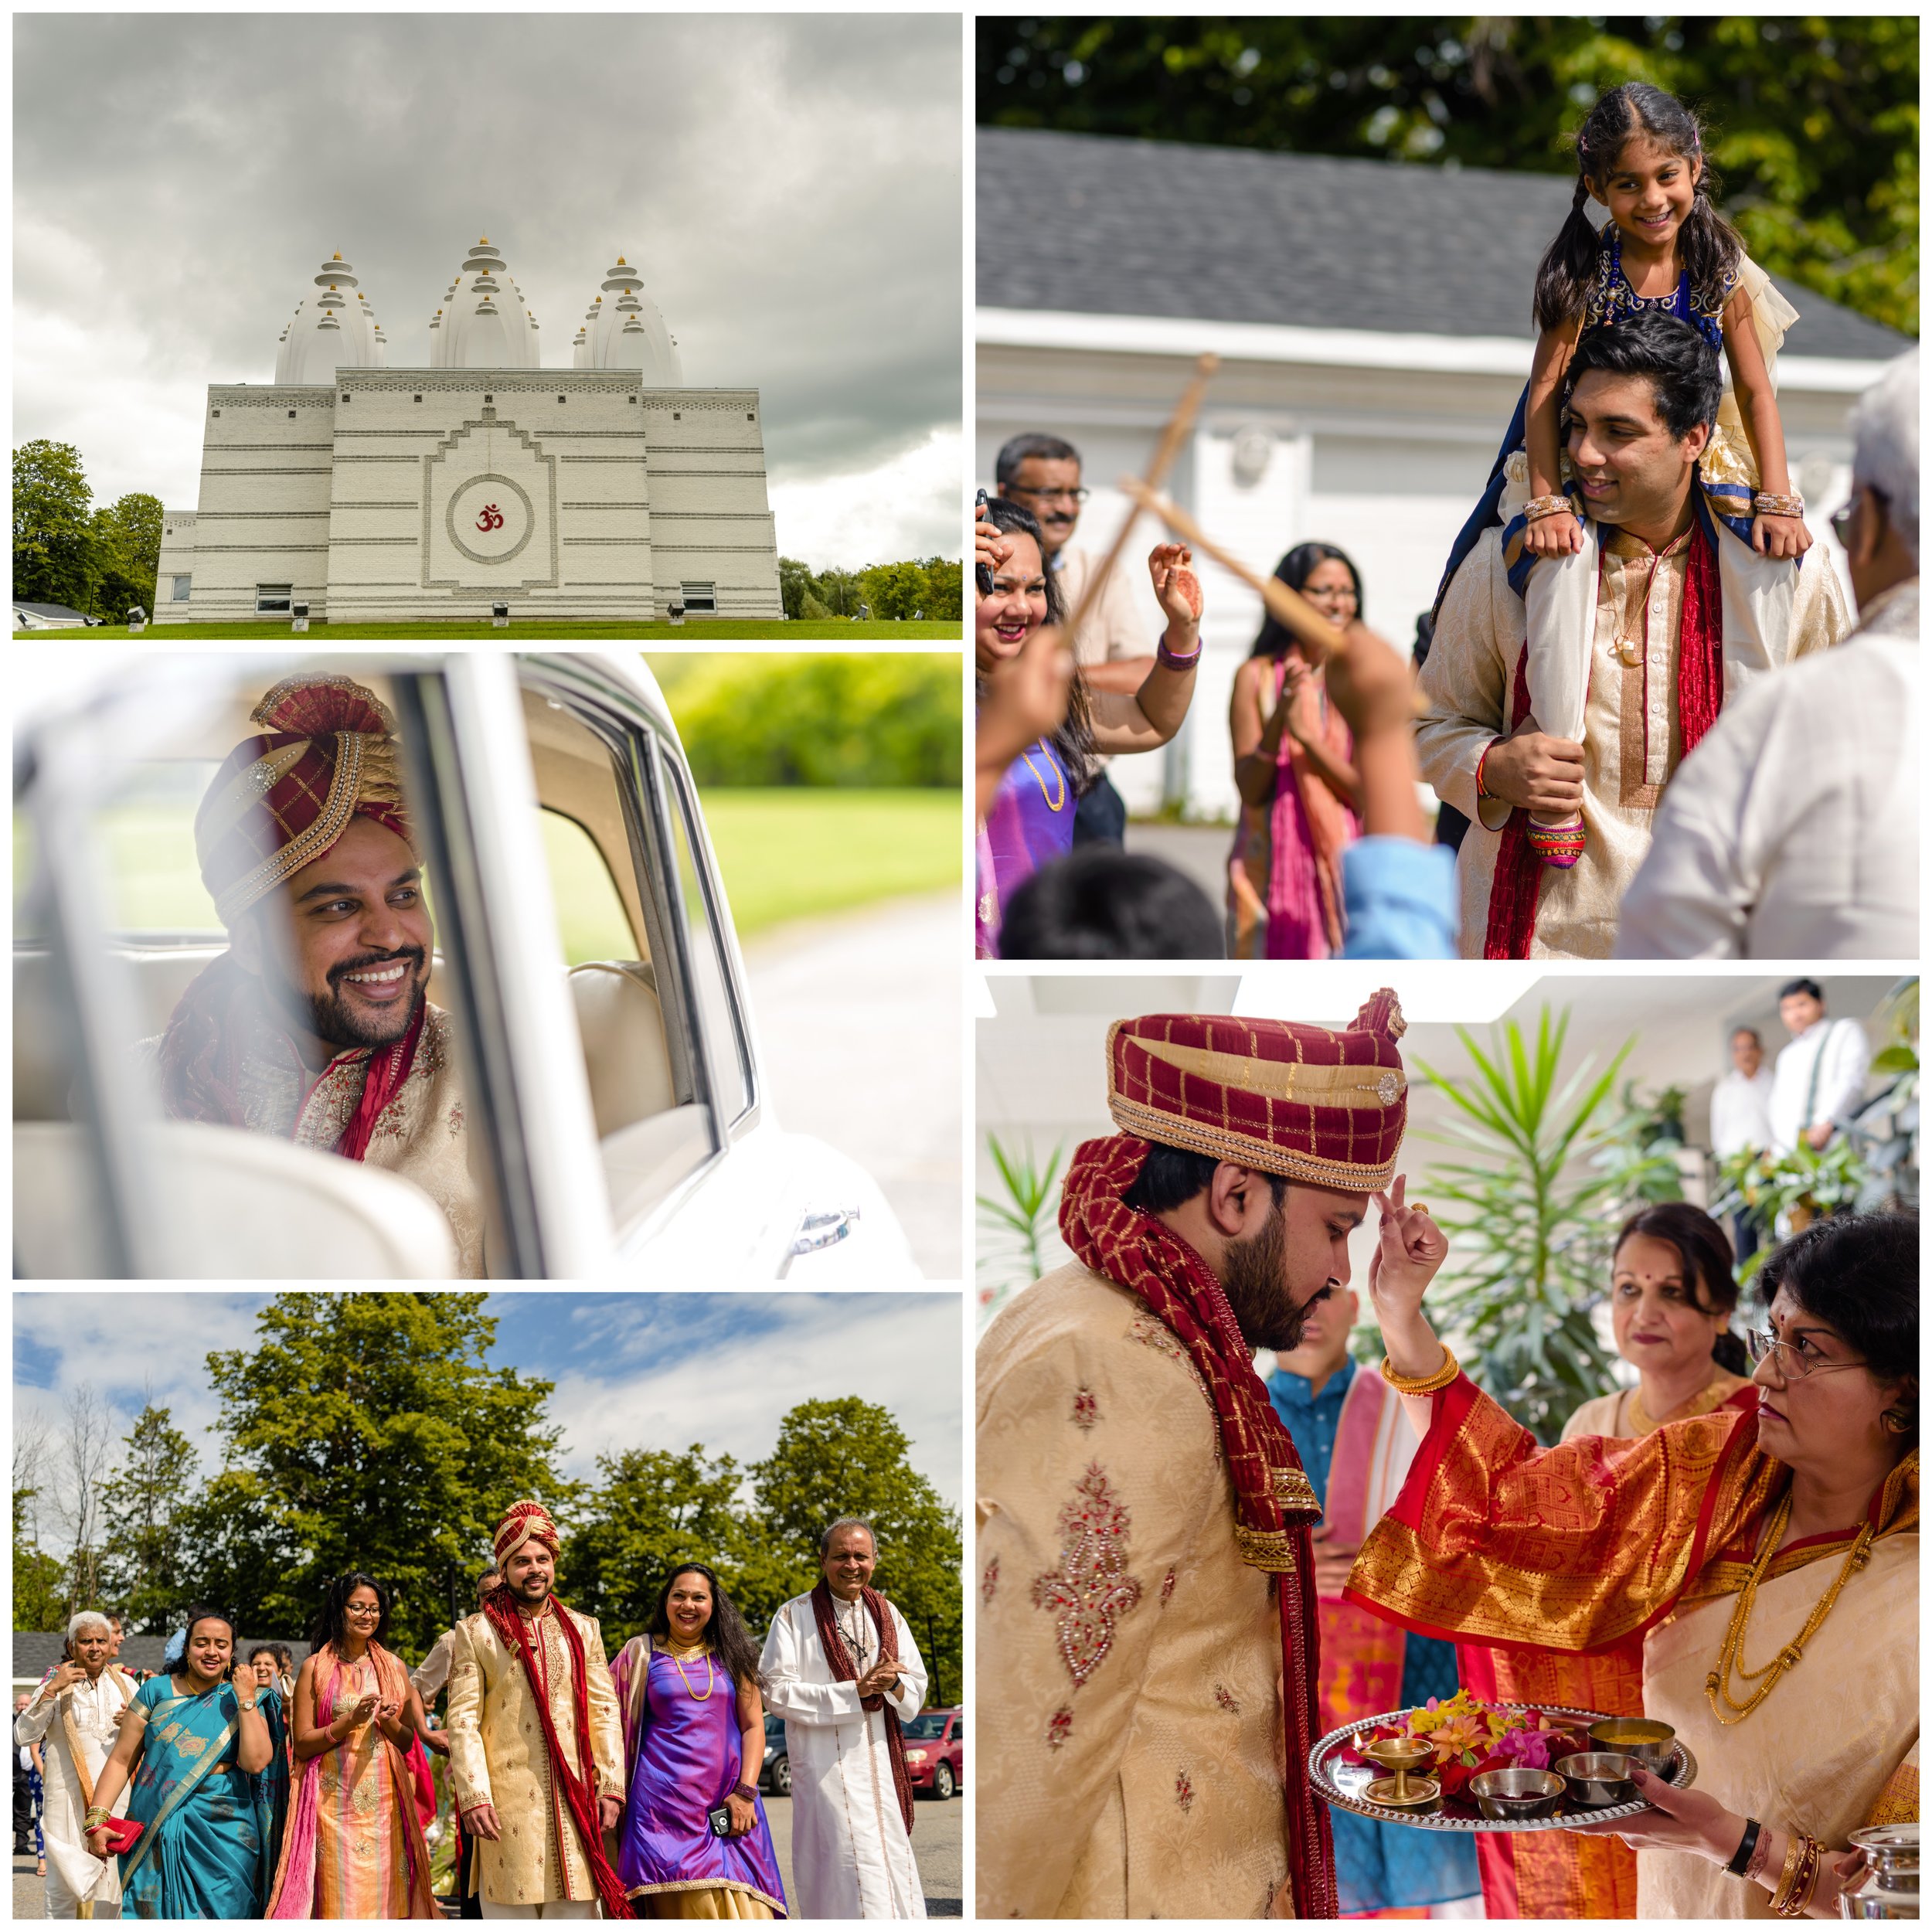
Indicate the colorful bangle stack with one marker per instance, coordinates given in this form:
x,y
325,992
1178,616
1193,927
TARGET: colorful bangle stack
x,y
1800,1878
1174,660
1765,503
95,1818
1482,788
1426,1385
1539,507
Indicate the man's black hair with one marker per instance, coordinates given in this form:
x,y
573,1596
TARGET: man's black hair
x,y
1016,450
1682,366
1172,1176
1810,988
1100,902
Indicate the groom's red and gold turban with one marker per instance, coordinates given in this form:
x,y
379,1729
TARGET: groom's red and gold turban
x,y
523,1523
1305,1102
327,751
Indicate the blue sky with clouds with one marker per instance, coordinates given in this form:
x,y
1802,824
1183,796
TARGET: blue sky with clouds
x,y
661,1370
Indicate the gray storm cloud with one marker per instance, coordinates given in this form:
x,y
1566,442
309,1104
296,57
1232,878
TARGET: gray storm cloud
x,y
789,187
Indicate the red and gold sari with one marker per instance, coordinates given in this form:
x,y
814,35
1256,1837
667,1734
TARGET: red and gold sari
x,y
1565,1556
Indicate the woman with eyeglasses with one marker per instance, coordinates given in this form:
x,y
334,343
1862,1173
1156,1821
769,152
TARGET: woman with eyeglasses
x,y
1769,1560
1294,768
354,1846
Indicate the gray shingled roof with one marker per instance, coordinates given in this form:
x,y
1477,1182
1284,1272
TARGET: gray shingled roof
x,y
1102,226
36,1652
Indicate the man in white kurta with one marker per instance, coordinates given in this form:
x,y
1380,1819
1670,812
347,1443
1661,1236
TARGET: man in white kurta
x,y
78,1705
851,1857
1820,1078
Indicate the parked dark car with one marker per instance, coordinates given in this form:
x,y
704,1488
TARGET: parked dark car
x,y
936,1752
775,1775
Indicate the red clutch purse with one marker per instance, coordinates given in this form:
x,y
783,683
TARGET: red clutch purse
x,y
122,1833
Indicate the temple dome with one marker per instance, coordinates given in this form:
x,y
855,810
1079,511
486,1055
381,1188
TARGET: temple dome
x,y
333,329
484,324
624,330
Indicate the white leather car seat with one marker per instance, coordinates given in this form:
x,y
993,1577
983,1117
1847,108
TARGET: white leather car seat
x,y
624,1052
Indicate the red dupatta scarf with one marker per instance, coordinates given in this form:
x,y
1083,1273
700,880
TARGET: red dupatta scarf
x,y
1519,877
1275,1504
578,1787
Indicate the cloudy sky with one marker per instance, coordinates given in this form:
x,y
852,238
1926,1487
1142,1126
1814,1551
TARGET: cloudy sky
x,y
658,1371
788,185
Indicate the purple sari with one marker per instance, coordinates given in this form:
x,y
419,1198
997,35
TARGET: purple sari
x,y
684,1761
1030,824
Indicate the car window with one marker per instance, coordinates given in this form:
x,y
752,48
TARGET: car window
x,y
591,920
730,1061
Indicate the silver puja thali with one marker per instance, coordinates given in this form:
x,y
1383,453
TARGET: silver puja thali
x,y
1345,1785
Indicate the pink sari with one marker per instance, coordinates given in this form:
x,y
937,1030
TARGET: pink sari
x,y
395,1885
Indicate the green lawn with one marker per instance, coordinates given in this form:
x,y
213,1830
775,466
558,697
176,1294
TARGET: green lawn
x,y
790,854
712,631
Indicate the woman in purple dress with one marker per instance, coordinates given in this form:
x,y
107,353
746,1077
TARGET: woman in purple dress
x,y
1030,822
694,1726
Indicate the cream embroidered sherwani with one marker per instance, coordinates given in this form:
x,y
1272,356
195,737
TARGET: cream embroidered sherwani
x,y
1631,736
1128,1660
74,1873
498,1756
422,1136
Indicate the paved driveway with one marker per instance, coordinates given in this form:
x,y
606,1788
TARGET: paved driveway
x,y
860,1029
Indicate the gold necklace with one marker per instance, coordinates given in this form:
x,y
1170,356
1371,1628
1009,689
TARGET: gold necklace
x,y
711,1674
1732,1654
1052,804
1705,1400
1630,650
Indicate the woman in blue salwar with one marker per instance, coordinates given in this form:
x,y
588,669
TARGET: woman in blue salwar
x,y
187,1771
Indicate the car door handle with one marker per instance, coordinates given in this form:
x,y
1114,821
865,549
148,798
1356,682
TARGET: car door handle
x,y
823,1230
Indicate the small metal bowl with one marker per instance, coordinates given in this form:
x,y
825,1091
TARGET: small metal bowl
x,y
1598,1777
1643,1739
1524,1792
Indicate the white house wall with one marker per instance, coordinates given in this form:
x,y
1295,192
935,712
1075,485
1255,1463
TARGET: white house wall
x,y
1385,461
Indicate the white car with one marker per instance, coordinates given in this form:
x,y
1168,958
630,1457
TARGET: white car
x,y
620,1125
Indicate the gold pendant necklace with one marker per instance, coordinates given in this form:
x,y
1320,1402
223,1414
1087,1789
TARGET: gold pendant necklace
x,y
1052,804
1629,651
711,1674
1732,1655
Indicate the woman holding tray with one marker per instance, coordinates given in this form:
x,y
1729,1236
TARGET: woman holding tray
x,y
1671,1299
1768,1560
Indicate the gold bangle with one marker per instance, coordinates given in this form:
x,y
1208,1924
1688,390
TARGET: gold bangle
x,y
1538,508
1794,1851
1426,1385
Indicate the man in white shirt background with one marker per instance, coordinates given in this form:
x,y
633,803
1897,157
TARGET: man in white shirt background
x,y
1042,474
1821,1078
1741,1120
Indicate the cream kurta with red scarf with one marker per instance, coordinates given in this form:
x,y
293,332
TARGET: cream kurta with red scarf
x,y
498,1755
1128,1660
421,1135
1631,741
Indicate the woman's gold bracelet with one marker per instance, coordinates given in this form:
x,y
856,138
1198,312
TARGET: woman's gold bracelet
x,y
1799,1879
1767,504
1540,507
95,1818
1427,1385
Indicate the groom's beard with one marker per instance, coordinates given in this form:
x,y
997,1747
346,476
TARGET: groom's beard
x,y
1254,1279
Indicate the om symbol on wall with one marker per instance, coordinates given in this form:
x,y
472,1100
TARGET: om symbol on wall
x,y
491,519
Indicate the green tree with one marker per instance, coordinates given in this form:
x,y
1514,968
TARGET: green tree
x,y
39,1580
795,585
148,1567
848,1457
55,548
838,591
1813,122
651,1509
893,590
129,532
810,608
367,1431
944,586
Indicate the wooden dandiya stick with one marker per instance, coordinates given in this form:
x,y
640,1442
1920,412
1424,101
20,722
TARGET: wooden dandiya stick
x,y
1159,464
1286,605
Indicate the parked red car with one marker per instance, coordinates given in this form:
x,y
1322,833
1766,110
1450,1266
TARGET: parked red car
x,y
936,1752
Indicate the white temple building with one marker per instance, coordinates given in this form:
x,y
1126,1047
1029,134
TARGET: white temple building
x,y
606,491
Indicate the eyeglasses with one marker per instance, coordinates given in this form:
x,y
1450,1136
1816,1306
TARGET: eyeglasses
x,y
1074,497
1841,519
1791,1365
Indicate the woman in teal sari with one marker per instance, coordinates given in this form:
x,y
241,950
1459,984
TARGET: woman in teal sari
x,y
188,1764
